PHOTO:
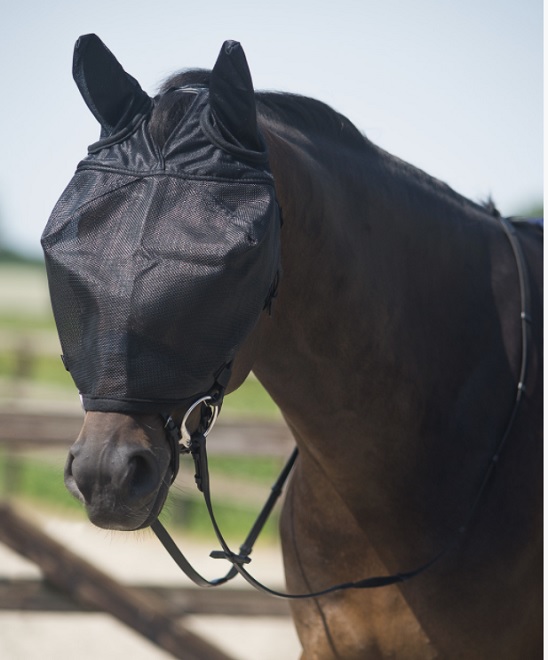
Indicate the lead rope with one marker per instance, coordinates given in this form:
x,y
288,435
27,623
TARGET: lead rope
x,y
197,448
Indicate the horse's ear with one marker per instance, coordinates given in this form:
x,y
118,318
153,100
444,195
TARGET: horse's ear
x,y
113,96
232,98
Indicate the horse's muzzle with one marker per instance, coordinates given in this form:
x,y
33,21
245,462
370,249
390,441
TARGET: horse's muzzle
x,y
121,475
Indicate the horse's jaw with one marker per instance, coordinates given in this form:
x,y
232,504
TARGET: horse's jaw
x,y
119,468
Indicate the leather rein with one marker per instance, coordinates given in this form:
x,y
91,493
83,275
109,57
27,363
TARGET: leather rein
x,y
196,447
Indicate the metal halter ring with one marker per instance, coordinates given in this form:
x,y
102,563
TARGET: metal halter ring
x,y
214,414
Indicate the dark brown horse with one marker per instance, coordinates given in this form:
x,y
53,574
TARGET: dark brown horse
x,y
393,350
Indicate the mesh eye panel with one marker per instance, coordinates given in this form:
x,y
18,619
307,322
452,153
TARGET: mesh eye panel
x,y
159,267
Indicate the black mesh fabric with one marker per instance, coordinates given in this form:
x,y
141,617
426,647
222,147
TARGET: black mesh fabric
x,y
159,262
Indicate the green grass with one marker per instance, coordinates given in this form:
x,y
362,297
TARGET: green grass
x,y
40,483
250,400
37,482
21,323
237,515
235,522
36,368
257,469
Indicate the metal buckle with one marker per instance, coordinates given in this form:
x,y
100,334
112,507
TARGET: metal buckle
x,y
214,414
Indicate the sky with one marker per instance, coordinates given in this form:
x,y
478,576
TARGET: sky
x,y
455,88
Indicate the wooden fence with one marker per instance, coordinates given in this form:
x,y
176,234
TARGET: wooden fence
x,y
30,430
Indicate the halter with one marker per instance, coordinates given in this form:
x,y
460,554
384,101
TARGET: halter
x,y
196,446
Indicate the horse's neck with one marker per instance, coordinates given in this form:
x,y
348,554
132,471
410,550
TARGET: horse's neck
x,y
384,326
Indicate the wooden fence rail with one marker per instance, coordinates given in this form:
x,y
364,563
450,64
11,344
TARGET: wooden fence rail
x,y
30,430
92,588
36,595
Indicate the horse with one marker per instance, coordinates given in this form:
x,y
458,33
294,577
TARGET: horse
x,y
393,345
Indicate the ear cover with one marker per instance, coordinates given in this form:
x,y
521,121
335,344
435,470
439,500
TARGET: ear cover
x,y
232,98
114,97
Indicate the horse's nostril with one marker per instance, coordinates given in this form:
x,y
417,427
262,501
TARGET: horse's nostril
x,y
70,481
68,465
142,475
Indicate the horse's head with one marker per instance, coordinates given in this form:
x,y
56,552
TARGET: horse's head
x,y
161,255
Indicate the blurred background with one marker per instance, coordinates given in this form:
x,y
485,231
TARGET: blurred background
x,y
454,88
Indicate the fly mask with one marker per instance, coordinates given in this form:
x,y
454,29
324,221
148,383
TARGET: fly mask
x,y
160,258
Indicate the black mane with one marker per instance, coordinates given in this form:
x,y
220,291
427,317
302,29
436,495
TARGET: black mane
x,y
300,112
308,115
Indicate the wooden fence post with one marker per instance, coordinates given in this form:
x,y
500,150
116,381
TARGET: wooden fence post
x,y
90,586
